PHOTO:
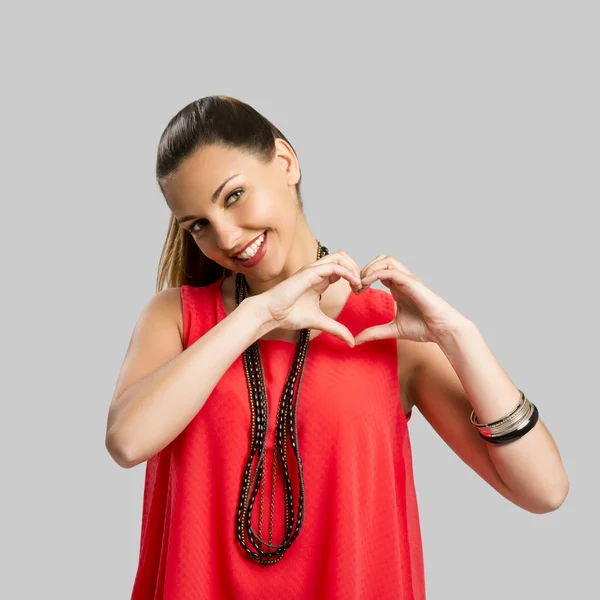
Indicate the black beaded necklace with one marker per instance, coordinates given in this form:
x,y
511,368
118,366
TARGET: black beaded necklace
x,y
286,426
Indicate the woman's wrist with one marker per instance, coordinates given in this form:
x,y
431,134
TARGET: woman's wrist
x,y
260,314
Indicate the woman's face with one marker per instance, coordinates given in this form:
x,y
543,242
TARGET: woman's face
x,y
226,198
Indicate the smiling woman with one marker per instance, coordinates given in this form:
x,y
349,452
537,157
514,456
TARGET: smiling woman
x,y
234,170
243,377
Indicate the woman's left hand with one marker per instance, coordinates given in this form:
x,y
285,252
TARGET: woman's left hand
x,y
421,315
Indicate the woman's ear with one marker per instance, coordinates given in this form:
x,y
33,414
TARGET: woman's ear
x,y
287,160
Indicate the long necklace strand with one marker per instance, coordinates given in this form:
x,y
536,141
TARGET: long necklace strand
x,y
286,426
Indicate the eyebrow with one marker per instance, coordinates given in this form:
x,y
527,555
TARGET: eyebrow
x,y
214,199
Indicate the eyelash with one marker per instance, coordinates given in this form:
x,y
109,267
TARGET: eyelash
x,y
191,228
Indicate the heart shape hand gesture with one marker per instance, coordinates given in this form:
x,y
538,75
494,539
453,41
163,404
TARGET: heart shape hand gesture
x,y
421,315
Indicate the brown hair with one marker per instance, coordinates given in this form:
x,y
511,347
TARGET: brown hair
x,y
211,120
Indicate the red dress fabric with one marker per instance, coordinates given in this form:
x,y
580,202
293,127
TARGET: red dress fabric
x,y
361,535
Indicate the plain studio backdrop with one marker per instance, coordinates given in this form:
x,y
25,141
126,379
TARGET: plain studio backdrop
x,y
459,137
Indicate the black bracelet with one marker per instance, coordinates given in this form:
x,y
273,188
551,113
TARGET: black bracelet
x,y
512,436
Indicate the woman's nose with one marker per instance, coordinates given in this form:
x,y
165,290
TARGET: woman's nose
x,y
227,238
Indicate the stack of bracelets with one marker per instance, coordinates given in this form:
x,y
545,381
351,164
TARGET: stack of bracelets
x,y
511,427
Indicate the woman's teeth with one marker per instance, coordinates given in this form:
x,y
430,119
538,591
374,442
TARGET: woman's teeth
x,y
251,250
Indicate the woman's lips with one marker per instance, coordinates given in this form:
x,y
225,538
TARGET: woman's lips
x,y
248,244
257,257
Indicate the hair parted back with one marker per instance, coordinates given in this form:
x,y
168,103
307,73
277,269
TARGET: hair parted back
x,y
220,120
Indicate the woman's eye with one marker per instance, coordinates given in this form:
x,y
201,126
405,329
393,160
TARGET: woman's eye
x,y
194,229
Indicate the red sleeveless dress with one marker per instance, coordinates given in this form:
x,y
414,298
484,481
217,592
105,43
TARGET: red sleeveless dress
x,y
361,535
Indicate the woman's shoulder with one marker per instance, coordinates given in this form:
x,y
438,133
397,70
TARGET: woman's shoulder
x,y
170,303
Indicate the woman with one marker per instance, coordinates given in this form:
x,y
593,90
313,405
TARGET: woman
x,y
271,365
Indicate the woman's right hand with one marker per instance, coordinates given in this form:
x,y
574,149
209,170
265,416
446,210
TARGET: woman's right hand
x,y
294,303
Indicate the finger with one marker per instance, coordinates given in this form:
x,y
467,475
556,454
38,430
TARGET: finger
x,y
398,265
352,266
324,323
342,258
399,277
385,262
364,269
353,262
377,265
320,276
377,332
326,269
409,284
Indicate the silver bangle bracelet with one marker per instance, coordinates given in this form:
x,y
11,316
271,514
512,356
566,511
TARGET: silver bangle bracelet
x,y
514,421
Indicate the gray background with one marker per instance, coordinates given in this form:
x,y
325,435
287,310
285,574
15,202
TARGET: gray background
x,y
460,137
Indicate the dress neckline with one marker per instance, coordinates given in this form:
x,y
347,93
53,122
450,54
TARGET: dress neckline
x,y
222,313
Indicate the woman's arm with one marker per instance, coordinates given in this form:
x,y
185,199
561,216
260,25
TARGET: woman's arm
x,y
150,413
460,374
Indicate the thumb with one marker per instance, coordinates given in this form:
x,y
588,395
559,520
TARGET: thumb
x,y
377,332
340,331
